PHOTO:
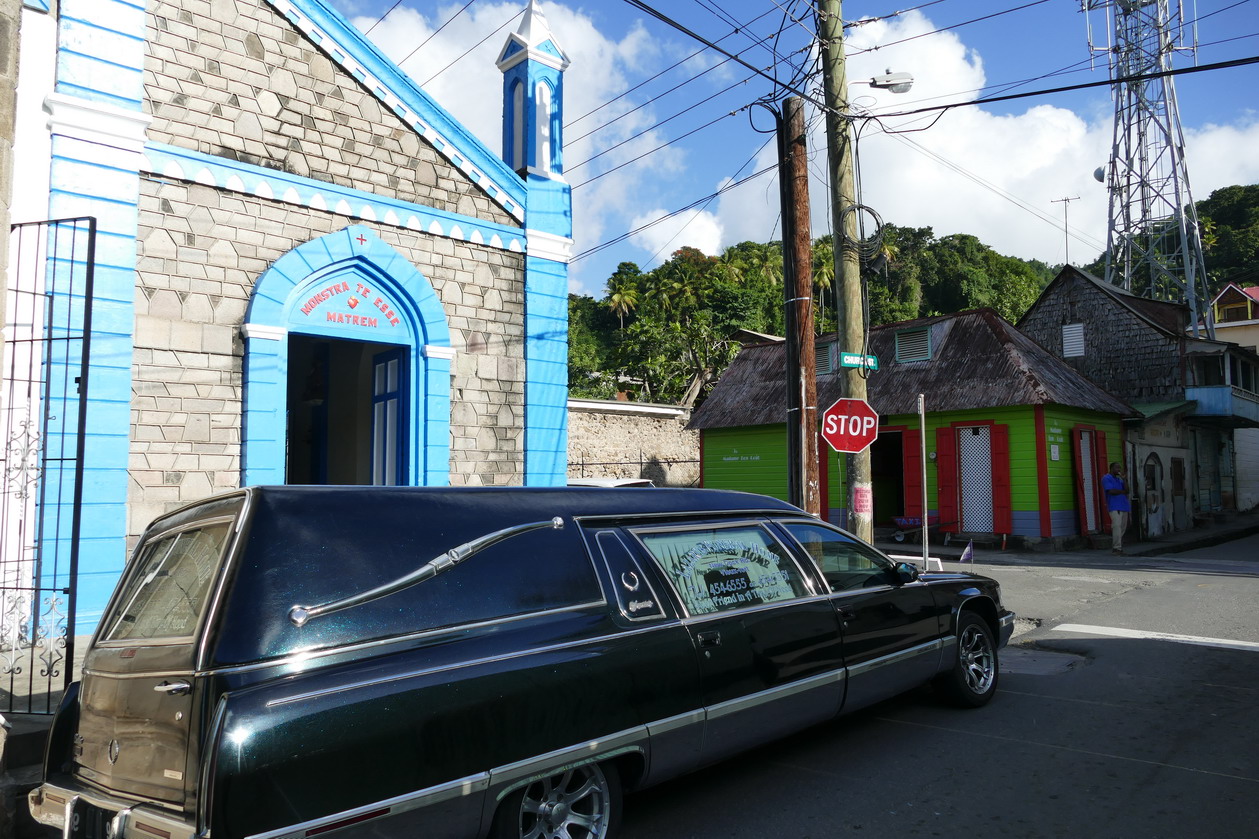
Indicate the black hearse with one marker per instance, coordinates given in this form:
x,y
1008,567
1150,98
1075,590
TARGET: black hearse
x,y
284,662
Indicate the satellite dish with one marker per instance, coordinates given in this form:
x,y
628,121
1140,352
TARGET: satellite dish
x,y
1100,174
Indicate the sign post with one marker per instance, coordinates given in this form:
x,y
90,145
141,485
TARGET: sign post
x,y
850,425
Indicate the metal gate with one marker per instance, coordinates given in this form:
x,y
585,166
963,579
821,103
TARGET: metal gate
x,y
48,314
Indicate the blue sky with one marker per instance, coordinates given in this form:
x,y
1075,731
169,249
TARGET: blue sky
x,y
637,150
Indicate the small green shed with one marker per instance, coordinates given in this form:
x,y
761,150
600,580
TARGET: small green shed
x,y
1016,440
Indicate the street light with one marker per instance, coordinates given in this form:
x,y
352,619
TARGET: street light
x,y
895,82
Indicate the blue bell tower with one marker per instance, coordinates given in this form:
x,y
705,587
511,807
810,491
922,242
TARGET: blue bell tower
x,y
533,66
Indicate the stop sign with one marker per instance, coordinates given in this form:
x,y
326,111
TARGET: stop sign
x,y
850,425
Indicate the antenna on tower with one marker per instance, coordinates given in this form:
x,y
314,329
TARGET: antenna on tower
x,y
1153,242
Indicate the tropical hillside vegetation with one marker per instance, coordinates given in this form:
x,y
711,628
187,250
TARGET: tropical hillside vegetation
x,y
665,335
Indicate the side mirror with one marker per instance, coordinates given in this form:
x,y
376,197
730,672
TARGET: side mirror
x,y
906,573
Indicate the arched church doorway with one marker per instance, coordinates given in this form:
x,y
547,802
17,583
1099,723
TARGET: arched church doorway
x,y
346,412
346,369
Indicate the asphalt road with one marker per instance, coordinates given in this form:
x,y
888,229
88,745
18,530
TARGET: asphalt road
x,y
1126,708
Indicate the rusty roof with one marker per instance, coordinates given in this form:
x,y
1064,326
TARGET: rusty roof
x,y
978,360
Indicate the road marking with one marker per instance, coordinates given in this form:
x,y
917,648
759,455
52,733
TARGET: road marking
x,y
1116,632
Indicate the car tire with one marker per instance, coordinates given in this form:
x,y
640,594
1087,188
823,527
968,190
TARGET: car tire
x,y
583,802
972,680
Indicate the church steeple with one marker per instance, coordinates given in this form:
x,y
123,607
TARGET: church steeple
x,y
533,65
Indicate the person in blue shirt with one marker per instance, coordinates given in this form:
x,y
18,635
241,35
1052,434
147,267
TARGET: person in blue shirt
x,y
1116,489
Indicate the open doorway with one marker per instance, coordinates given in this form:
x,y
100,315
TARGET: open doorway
x,y
346,412
887,473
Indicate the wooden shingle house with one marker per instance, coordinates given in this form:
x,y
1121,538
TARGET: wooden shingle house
x,y
1192,394
1017,441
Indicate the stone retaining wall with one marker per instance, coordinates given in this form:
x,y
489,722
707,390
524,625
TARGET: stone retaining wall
x,y
608,439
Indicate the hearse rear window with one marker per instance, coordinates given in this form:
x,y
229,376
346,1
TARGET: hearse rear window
x,y
716,569
166,593
310,548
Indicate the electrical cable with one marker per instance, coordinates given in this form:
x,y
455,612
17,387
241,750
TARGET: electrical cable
x,y
434,33
650,128
472,49
948,28
692,205
1221,65
381,20
671,67
643,7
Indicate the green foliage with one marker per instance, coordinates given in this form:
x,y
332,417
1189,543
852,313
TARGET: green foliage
x,y
1230,236
667,334
1229,226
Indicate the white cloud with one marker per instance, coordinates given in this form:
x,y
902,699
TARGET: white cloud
x,y
998,176
698,229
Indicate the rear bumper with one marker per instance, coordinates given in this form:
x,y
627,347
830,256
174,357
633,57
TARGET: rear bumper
x,y
51,803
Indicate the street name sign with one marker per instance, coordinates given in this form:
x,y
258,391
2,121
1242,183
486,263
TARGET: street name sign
x,y
850,425
852,359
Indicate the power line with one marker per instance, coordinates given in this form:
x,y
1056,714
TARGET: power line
x,y
692,205
435,32
643,7
947,28
1221,65
668,69
473,48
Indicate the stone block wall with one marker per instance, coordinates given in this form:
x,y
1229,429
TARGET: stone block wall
x,y
632,440
234,79
201,250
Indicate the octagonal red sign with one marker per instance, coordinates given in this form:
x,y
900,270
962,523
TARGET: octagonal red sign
x,y
850,425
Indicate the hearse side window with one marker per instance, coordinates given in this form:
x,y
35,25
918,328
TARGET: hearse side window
x,y
166,592
634,594
845,563
717,569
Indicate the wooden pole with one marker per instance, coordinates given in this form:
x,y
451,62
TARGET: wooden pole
x,y
802,447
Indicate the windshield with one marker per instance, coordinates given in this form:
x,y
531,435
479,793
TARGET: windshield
x,y
166,594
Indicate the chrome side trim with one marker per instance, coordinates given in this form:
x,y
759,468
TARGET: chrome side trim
x,y
508,777
303,657
426,671
675,723
896,658
428,797
752,700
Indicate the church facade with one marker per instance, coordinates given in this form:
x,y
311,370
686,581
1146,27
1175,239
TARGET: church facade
x,y
305,269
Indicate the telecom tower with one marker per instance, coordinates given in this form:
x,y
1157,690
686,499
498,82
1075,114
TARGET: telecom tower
x,y
1154,248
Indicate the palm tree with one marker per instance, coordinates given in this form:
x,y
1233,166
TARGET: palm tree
x,y
622,301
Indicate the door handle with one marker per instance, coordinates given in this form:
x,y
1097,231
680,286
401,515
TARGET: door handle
x,y
709,639
173,688
847,613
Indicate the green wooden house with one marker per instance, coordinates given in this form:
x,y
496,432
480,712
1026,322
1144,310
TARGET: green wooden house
x,y
1016,440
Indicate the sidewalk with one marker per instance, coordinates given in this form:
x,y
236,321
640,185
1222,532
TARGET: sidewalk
x,y
1240,525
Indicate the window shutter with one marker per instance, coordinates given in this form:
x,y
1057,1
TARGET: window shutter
x,y
825,359
1072,340
911,455
913,345
1002,507
946,479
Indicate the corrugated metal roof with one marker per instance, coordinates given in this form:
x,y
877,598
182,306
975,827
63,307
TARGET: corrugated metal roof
x,y
978,360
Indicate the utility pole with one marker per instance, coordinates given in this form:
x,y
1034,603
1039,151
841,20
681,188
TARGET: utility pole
x,y
1066,237
850,310
793,173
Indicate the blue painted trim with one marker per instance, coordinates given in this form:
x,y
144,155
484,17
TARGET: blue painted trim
x,y
352,255
274,185
403,96
37,5
100,51
546,372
